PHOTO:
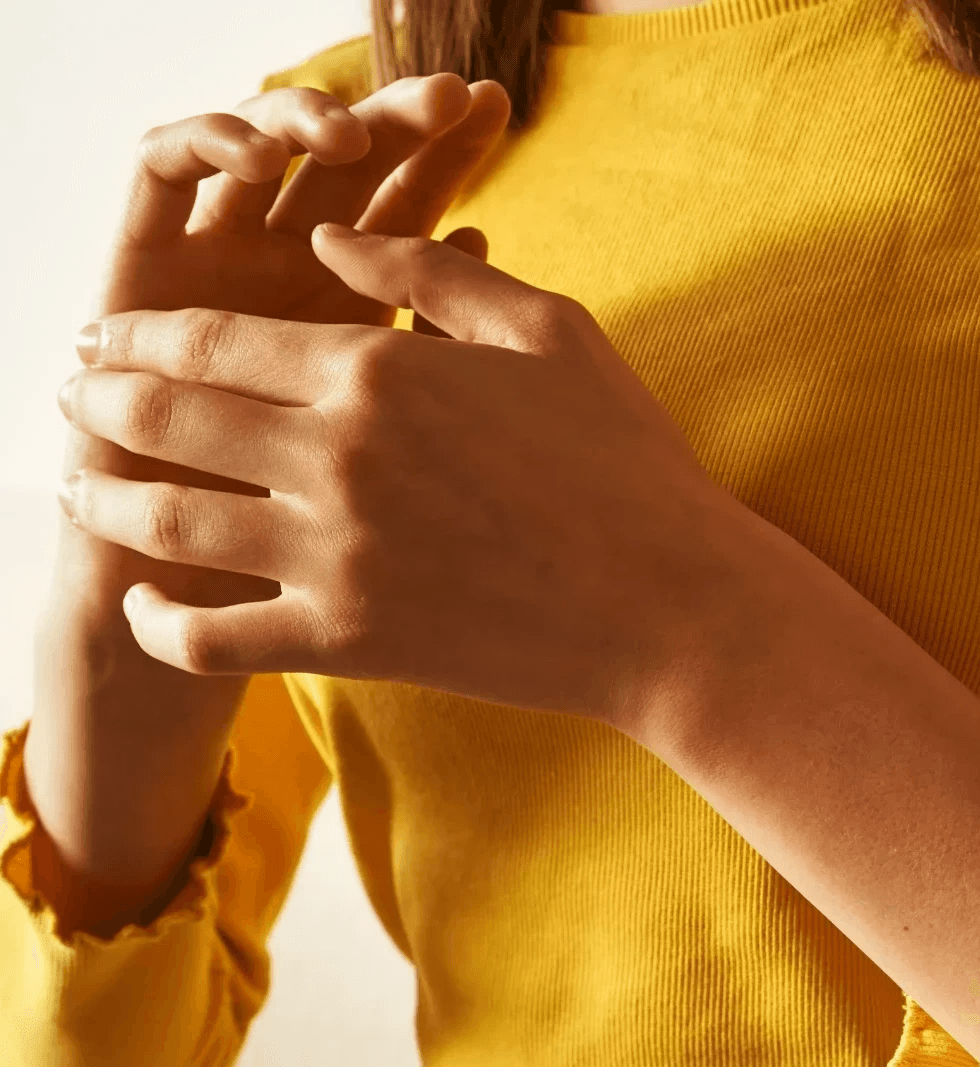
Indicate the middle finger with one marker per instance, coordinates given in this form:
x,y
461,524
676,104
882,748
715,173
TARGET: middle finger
x,y
192,425
333,181
401,118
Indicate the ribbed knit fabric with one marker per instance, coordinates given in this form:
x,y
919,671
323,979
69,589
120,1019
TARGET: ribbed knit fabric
x,y
770,209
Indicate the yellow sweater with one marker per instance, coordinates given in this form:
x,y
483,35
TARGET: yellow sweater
x,y
769,207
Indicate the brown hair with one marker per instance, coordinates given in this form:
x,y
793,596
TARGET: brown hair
x,y
506,40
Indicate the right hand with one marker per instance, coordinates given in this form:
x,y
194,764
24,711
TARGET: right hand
x,y
241,243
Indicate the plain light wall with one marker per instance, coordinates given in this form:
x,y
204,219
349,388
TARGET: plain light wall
x,y
82,84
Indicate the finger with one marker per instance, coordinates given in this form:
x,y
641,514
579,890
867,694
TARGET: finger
x,y
172,159
197,527
195,426
400,118
267,637
416,196
275,361
474,243
302,119
472,301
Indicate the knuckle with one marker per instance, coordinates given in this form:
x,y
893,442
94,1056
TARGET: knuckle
x,y
215,121
193,644
565,305
310,99
149,411
148,143
420,246
158,141
119,339
337,437
166,522
200,338
548,316
147,153
550,308
365,372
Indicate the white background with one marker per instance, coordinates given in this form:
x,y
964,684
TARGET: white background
x,y
81,83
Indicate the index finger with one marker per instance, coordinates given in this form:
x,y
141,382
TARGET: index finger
x,y
401,118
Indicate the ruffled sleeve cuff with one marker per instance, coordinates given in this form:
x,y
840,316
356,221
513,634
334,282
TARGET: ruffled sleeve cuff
x,y
19,827
924,1043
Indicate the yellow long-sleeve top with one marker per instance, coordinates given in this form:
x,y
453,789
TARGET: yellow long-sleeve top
x,y
769,206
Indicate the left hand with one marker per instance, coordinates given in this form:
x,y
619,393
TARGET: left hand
x,y
503,511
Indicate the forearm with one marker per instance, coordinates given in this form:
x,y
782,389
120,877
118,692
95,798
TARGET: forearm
x,y
850,760
121,775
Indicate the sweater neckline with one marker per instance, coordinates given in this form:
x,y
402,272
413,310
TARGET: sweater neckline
x,y
642,27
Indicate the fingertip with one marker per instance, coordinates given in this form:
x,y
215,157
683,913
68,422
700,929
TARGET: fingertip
x,y
447,99
471,240
492,99
499,89
444,77
135,598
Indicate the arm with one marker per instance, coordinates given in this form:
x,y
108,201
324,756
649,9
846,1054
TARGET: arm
x,y
82,1000
850,760
121,794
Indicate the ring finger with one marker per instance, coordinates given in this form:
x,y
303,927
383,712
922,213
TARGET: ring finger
x,y
197,426
198,527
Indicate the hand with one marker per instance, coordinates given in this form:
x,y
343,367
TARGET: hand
x,y
237,241
505,513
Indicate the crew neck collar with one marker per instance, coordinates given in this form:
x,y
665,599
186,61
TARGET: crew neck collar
x,y
581,28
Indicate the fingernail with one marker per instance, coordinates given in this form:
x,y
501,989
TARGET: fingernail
x,y
335,229
66,496
87,342
64,395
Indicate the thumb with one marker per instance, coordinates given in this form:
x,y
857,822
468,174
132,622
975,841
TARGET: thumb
x,y
471,240
468,239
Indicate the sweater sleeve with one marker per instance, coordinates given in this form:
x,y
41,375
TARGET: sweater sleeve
x,y
182,990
